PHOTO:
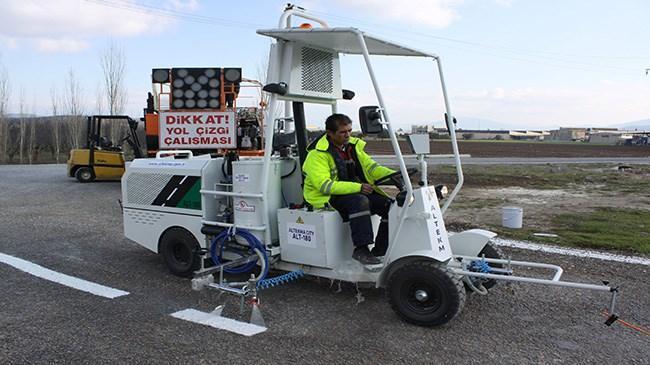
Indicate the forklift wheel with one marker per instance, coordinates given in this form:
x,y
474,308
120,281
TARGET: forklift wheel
x,y
423,293
84,174
178,248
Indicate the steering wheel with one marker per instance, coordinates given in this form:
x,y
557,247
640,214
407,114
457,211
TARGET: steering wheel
x,y
396,178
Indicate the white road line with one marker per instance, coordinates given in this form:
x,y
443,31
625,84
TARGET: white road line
x,y
63,279
572,251
217,321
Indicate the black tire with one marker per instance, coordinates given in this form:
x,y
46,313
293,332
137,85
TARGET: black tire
x,y
491,252
84,174
424,293
179,250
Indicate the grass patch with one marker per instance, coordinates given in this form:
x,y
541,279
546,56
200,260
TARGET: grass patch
x,y
604,228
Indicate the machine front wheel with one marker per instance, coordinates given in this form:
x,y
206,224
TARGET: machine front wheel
x,y
178,248
84,174
424,293
491,252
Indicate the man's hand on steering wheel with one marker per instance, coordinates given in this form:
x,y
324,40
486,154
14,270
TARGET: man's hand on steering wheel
x,y
396,178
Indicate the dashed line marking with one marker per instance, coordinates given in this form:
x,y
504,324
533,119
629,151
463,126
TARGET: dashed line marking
x,y
217,321
572,251
63,279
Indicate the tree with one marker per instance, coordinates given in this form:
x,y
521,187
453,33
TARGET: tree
x,y
56,126
23,126
31,142
264,97
4,104
73,102
113,64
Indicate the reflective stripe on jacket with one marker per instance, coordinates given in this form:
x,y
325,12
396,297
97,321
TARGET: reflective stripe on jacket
x,y
321,176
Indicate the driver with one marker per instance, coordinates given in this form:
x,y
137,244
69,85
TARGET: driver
x,y
340,174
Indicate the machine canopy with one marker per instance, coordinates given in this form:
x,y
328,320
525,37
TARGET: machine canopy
x,y
343,40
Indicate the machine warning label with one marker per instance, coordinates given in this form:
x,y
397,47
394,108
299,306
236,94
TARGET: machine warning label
x,y
242,177
205,129
301,235
242,206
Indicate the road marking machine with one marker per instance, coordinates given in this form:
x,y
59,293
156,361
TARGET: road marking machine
x,y
243,215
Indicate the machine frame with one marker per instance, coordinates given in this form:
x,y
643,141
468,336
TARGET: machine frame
x,y
420,249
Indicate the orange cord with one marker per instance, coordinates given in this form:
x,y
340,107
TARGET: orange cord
x,y
629,325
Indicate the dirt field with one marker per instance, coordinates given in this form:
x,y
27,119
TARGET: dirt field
x,y
518,149
599,206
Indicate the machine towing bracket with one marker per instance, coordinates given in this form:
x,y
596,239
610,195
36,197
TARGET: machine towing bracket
x,y
459,266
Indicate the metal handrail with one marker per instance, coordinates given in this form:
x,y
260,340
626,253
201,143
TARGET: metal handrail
x,y
232,193
228,225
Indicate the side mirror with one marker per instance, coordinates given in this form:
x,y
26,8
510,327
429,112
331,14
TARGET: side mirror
x,y
348,94
370,120
279,88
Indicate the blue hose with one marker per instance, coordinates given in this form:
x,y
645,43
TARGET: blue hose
x,y
480,266
279,280
217,247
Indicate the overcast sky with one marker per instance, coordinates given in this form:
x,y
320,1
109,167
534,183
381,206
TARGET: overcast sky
x,y
527,64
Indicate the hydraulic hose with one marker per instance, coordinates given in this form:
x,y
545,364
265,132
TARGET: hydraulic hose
x,y
217,248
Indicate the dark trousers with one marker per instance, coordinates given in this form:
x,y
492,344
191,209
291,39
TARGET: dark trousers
x,y
358,208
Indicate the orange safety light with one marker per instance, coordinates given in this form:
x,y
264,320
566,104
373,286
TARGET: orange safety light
x,y
305,26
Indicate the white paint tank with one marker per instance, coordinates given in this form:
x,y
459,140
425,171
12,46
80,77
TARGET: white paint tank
x,y
247,178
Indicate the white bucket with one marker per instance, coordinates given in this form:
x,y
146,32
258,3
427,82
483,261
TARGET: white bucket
x,y
512,217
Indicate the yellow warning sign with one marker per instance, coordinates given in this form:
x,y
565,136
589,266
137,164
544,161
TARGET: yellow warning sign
x,y
299,220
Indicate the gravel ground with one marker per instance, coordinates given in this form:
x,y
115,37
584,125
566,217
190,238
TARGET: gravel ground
x,y
76,229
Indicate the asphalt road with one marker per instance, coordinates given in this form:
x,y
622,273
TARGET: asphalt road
x,y
76,229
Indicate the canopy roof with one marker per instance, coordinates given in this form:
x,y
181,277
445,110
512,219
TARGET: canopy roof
x,y
343,40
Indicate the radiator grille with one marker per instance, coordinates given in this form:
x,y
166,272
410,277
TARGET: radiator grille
x,y
144,188
317,71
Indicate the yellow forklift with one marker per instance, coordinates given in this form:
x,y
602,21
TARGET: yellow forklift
x,y
100,159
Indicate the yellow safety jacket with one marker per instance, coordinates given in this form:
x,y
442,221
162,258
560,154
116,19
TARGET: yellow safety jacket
x,y
321,173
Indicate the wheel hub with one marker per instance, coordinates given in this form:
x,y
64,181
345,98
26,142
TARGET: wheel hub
x,y
421,296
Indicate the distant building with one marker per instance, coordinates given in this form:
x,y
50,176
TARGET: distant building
x,y
420,129
475,134
529,135
609,137
568,134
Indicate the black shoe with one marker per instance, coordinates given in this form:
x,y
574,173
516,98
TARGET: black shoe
x,y
363,255
378,253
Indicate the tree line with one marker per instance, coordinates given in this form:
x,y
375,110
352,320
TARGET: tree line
x,y
26,139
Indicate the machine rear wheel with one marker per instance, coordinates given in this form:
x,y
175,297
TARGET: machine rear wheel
x,y
84,174
178,248
423,293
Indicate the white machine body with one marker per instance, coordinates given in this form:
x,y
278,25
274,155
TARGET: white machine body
x,y
423,232
161,193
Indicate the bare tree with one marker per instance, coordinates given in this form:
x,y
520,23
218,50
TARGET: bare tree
x,y
99,100
73,105
4,104
32,147
264,97
23,126
56,125
113,64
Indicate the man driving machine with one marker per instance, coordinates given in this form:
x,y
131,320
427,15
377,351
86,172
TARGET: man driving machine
x,y
339,173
